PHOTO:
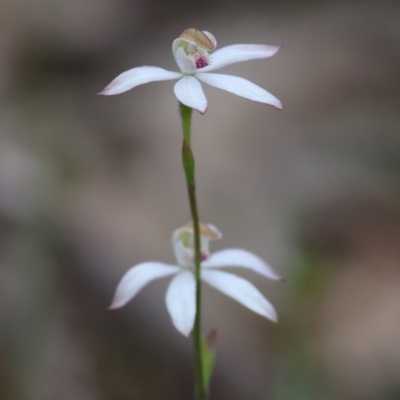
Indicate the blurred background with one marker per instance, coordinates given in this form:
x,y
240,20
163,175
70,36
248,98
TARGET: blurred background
x,y
90,186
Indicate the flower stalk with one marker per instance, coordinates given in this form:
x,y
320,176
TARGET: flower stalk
x,y
194,54
188,162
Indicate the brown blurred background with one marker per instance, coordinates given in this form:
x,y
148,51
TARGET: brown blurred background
x,y
91,185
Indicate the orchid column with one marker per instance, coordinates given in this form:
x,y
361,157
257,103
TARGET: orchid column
x,y
192,52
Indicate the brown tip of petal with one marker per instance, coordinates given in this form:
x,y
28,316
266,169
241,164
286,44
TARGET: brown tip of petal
x,y
202,113
198,38
103,92
115,305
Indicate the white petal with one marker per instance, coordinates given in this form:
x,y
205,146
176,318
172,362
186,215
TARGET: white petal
x,y
184,255
181,301
185,64
241,258
137,277
240,87
240,290
138,76
189,92
238,53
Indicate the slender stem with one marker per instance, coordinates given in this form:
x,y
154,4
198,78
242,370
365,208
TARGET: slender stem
x,y
189,167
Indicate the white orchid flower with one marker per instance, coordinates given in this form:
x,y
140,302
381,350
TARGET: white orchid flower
x,y
192,54
181,293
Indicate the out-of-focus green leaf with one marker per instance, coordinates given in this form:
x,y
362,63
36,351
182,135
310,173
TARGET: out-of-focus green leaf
x,y
312,276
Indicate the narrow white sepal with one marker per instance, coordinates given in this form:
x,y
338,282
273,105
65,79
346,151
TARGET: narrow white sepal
x,y
240,87
189,92
137,277
138,76
240,290
238,53
243,259
181,301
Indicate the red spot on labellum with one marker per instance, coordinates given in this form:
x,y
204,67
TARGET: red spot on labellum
x,y
201,62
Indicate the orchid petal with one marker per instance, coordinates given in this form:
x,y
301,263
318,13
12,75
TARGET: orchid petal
x,y
189,92
240,290
137,277
240,87
185,64
238,53
184,255
181,301
138,76
212,39
241,258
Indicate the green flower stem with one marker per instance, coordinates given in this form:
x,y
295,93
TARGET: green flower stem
x,y
189,167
